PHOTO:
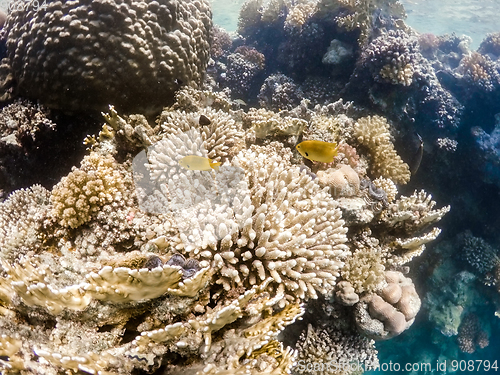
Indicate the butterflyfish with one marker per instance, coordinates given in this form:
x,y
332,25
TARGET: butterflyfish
x,y
318,150
198,163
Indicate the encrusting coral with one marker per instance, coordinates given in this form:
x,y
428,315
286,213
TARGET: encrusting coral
x,y
145,264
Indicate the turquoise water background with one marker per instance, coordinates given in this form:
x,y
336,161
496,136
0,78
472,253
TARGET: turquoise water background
x,y
469,17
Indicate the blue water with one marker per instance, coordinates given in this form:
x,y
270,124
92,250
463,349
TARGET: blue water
x,y
472,18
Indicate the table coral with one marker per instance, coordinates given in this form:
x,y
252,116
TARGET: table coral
x,y
65,54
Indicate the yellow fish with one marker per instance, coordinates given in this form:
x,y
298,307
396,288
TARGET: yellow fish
x,y
198,163
318,150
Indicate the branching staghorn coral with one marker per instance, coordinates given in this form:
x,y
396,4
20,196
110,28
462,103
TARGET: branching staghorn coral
x,y
373,132
259,231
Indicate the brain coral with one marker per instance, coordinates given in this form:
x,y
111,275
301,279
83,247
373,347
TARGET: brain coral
x,y
82,54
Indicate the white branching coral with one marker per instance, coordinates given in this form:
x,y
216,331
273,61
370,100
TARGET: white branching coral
x,y
414,212
261,217
332,351
220,133
293,231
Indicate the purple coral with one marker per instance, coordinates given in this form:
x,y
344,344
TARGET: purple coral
x,y
279,92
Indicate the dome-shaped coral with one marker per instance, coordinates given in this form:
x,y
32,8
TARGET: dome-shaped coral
x,y
79,55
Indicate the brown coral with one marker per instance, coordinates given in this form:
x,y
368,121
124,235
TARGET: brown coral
x,y
373,133
81,55
82,194
391,311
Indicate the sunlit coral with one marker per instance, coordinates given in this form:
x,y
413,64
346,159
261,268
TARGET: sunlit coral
x,y
373,133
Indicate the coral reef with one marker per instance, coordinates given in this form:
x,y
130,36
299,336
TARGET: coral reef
x,y
242,67
491,45
488,145
392,311
65,55
358,15
373,132
479,72
471,335
392,58
279,92
134,262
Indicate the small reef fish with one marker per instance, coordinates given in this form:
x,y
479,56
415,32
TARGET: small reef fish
x,y
318,150
198,163
417,158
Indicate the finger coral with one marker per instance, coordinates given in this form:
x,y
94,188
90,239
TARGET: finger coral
x,y
392,58
373,132
86,190
81,55
480,72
